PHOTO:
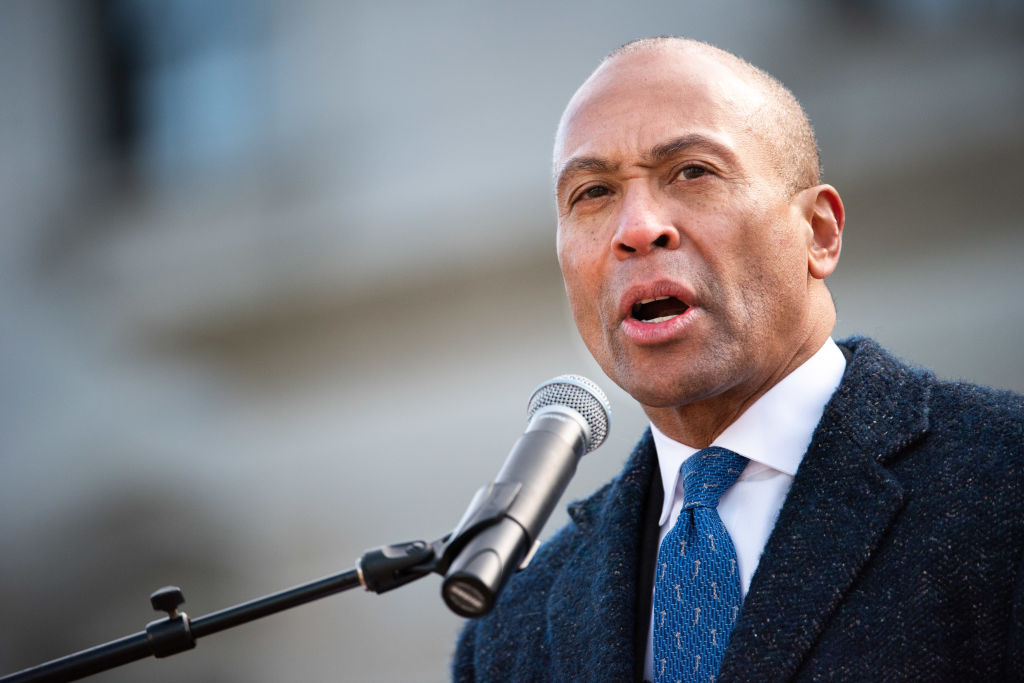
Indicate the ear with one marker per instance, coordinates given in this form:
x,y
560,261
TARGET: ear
x,y
825,216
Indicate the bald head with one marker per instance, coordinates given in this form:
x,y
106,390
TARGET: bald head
x,y
773,114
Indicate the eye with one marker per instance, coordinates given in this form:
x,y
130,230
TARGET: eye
x,y
593,192
692,172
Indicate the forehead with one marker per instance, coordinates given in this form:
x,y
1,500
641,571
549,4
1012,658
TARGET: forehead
x,y
635,102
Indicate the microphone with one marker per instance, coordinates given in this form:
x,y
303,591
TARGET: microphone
x,y
567,417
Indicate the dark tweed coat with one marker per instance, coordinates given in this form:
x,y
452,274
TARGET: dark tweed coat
x,y
896,556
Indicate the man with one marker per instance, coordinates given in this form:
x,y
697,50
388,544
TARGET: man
x,y
874,524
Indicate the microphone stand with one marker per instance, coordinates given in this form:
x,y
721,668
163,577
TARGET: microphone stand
x,y
378,570
497,536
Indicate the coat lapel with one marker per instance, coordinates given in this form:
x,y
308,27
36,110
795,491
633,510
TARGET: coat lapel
x,y
842,502
593,600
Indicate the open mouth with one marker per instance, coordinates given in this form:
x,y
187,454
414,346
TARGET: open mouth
x,y
658,309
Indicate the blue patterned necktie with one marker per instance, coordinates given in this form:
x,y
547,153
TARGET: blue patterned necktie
x,y
697,585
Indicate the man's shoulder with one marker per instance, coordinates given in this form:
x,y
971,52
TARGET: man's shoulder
x,y
949,405
978,405
933,433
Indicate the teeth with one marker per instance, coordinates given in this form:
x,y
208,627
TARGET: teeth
x,y
661,319
647,301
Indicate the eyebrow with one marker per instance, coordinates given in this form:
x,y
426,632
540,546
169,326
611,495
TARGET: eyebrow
x,y
579,165
666,150
655,155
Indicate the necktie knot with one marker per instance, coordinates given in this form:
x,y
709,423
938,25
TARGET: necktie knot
x,y
707,474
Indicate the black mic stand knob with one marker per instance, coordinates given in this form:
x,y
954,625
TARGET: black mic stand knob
x,y
172,634
167,599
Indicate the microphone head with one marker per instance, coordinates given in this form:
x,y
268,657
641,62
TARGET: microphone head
x,y
580,394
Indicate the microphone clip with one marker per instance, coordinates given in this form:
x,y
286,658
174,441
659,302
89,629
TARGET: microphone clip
x,y
491,503
391,566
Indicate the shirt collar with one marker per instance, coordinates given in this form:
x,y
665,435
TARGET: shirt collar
x,y
775,431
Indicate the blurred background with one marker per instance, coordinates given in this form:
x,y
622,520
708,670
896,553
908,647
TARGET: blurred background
x,y
277,278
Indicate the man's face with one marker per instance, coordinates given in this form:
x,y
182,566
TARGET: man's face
x,y
684,261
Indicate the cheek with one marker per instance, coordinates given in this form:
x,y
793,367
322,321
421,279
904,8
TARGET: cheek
x,y
789,255
581,292
776,272
579,258
581,271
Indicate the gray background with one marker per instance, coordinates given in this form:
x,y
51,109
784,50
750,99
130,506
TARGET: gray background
x,y
277,279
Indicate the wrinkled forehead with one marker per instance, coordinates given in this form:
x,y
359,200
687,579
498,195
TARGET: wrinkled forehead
x,y
633,99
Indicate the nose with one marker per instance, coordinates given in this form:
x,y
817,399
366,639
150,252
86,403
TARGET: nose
x,y
643,225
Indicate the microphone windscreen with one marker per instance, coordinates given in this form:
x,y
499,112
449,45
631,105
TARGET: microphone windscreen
x,y
580,394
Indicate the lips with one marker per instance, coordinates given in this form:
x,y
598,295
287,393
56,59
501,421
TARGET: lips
x,y
656,312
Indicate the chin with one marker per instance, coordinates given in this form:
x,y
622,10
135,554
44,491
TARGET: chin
x,y
659,392
676,383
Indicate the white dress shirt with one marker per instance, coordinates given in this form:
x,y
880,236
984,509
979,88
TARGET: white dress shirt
x,y
774,433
